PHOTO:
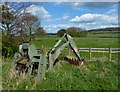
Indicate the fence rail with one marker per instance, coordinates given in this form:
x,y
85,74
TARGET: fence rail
x,y
109,50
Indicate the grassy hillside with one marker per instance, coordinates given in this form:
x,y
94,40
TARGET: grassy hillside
x,y
105,33
106,29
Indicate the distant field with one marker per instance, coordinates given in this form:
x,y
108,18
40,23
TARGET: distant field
x,y
104,34
82,42
97,74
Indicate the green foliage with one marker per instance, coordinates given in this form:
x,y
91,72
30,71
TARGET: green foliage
x,y
7,18
61,32
74,32
75,29
10,45
82,34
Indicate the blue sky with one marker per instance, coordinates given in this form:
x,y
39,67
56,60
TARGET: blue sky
x,y
86,15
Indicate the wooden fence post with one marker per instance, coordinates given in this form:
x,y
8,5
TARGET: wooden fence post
x,y
90,53
110,50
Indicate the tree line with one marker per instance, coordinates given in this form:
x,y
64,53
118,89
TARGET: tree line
x,y
73,31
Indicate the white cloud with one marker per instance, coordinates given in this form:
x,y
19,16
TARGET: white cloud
x,y
98,18
86,21
111,11
58,19
38,11
65,17
57,26
43,14
92,21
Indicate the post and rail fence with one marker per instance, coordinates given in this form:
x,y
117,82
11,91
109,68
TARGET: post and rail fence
x,y
108,50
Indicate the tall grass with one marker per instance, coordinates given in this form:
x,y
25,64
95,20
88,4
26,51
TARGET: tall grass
x,y
95,75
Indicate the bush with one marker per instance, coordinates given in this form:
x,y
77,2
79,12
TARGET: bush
x,y
61,32
82,34
40,32
10,45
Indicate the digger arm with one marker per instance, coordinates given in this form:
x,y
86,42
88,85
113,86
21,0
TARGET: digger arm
x,y
55,51
73,46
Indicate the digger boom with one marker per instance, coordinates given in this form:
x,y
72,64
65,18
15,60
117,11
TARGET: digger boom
x,y
54,53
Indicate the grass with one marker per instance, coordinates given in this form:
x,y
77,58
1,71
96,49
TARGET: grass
x,y
104,32
97,74
82,42
105,35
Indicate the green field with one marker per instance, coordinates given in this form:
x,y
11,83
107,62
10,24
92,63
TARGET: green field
x,y
82,42
104,34
97,74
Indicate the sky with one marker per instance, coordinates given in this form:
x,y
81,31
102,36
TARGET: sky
x,y
86,15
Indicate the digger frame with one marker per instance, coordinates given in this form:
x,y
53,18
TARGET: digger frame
x,y
33,59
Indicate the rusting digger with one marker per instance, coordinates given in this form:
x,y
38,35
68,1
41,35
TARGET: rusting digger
x,y
32,61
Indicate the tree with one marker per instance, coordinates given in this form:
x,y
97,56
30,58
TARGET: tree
x,y
28,24
77,32
61,32
40,31
82,34
7,18
73,31
11,11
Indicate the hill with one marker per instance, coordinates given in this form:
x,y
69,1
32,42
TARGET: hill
x,y
112,32
106,29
